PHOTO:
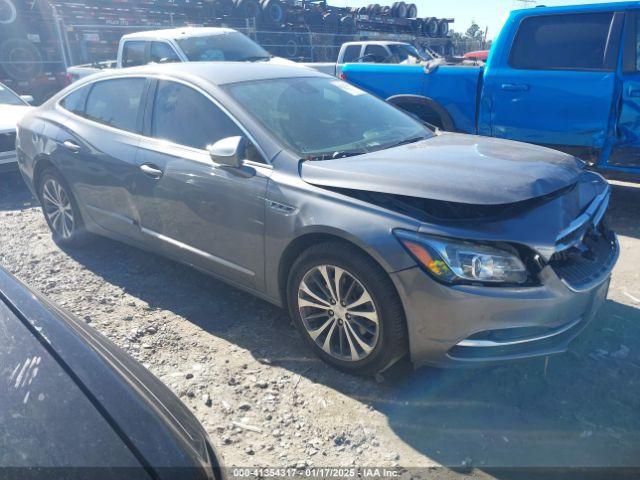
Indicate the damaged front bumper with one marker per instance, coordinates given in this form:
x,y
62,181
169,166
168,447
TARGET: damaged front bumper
x,y
468,325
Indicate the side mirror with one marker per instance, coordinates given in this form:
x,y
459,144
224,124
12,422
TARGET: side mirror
x,y
229,151
27,98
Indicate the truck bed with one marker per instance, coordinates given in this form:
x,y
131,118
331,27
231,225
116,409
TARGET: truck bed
x,y
455,87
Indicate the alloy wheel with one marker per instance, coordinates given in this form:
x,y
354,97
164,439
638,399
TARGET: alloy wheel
x,y
57,208
338,313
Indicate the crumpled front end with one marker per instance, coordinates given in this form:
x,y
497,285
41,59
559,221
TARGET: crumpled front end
x,y
570,253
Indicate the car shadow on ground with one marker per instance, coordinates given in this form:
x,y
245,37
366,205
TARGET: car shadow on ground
x,y
581,408
14,194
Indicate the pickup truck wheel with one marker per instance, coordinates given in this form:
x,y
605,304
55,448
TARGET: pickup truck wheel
x,y
346,308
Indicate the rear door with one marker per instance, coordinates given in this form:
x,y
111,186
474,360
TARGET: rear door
x,y
557,83
626,151
97,148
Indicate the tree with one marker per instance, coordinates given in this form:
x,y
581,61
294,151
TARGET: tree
x,y
474,32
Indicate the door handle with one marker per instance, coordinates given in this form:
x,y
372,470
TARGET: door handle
x,y
151,171
69,145
634,92
515,87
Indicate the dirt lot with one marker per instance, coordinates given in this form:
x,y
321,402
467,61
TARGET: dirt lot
x,y
237,362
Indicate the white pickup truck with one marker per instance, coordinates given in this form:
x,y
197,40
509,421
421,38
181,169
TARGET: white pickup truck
x,y
370,51
188,44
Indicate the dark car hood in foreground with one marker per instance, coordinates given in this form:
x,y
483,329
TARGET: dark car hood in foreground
x,y
453,168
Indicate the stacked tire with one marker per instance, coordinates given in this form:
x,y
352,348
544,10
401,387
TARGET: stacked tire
x,y
430,27
273,12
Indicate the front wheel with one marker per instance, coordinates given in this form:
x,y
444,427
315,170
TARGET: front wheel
x,y
346,308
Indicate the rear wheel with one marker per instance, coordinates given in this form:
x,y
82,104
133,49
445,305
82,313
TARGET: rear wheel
x,y
60,210
346,308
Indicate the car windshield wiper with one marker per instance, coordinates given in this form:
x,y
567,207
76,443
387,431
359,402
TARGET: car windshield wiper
x,y
337,154
407,141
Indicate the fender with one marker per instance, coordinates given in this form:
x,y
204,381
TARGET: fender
x,y
426,109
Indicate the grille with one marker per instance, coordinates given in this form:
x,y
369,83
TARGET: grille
x,y
591,262
7,142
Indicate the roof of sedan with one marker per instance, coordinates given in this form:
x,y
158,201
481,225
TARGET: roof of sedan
x,y
220,73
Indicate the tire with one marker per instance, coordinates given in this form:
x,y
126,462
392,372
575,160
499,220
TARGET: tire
x,y
347,25
8,12
402,10
331,22
273,11
313,18
443,28
412,10
430,26
73,233
387,345
21,59
386,10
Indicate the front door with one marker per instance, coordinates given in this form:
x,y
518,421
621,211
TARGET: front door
x,y
626,151
558,83
202,213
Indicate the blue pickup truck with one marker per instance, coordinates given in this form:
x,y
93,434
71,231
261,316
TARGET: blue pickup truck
x,y
563,77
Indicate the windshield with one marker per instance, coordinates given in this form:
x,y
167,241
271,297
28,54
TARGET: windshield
x,y
325,118
233,46
402,53
7,97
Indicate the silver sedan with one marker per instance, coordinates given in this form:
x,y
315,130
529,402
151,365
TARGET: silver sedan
x,y
380,236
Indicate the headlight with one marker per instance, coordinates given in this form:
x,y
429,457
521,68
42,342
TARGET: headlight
x,y
453,261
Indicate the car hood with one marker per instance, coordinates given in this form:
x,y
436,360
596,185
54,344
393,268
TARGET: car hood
x,y
453,168
10,115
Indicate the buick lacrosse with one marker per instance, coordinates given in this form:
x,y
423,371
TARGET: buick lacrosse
x,y
380,236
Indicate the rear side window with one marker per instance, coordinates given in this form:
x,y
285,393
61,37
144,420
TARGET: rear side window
x,y
186,117
162,52
116,102
74,102
563,42
351,53
133,54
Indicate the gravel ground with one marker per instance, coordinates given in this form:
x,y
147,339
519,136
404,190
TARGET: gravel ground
x,y
265,401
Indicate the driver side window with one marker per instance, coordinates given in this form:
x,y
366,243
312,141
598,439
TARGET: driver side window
x,y
162,52
186,117
375,53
